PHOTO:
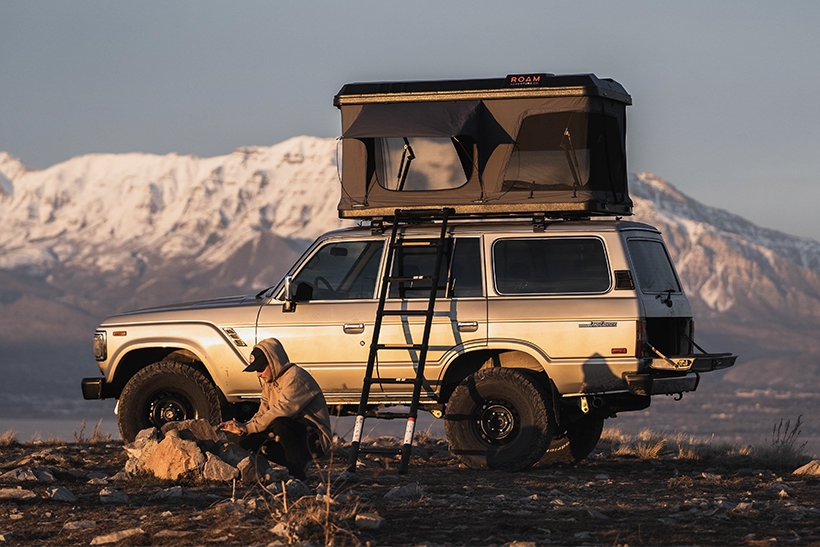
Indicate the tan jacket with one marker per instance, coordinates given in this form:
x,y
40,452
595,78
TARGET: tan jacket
x,y
292,394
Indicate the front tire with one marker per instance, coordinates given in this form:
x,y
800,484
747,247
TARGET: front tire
x,y
499,418
164,392
576,443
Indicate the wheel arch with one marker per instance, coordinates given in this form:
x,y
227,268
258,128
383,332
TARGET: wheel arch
x,y
137,359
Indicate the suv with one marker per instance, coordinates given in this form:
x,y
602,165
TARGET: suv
x,y
553,317
558,326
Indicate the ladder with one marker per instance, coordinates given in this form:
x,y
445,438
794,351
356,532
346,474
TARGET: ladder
x,y
397,244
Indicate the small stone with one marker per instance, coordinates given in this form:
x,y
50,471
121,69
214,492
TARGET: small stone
x,y
122,476
296,489
7,536
116,536
594,513
98,482
408,491
60,493
16,494
21,474
111,495
176,493
368,521
811,469
173,533
254,469
79,525
602,477
44,474
281,530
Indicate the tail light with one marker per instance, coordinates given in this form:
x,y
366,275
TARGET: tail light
x,y
640,338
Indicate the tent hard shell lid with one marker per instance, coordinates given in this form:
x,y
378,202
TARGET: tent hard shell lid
x,y
527,144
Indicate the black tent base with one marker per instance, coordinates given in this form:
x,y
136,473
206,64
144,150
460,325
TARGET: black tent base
x,y
502,210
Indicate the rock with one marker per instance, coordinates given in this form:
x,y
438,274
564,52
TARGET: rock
x,y
200,431
368,521
176,493
217,470
79,525
122,476
6,536
44,474
16,494
152,434
174,457
594,513
173,533
116,536
408,491
60,493
139,453
254,469
111,495
811,469
296,489
21,474
281,530
98,482
231,453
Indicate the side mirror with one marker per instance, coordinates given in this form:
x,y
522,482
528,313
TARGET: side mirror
x,y
290,303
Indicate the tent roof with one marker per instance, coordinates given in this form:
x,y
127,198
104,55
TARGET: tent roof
x,y
512,86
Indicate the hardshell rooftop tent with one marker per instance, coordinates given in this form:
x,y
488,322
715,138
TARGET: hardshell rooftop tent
x,y
524,144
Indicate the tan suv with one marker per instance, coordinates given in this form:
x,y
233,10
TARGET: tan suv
x,y
546,326
557,327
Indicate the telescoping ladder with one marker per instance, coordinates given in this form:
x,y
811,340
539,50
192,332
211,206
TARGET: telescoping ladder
x,y
397,244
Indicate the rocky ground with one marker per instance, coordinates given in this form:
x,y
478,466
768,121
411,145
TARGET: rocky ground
x,y
75,494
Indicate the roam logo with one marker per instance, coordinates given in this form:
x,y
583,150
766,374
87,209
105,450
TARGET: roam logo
x,y
525,80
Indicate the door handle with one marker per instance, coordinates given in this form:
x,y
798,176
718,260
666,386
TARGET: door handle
x,y
467,326
353,328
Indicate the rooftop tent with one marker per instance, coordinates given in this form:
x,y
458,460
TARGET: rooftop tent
x,y
520,145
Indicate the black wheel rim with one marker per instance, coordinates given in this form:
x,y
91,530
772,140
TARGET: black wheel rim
x,y
169,406
497,422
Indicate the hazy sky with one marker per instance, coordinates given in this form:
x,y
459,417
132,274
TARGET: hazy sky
x,y
725,93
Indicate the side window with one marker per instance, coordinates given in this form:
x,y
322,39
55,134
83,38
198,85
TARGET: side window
x,y
550,266
340,271
465,270
652,266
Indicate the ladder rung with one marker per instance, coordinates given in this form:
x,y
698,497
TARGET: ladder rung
x,y
388,415
426,242
391,380
416,313
408,279
379,450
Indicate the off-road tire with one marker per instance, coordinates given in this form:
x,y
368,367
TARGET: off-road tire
x,y
499,418
164,392
576,443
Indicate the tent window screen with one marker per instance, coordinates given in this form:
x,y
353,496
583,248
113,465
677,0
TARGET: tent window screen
x,y
566,151
653,267
411,164
550,266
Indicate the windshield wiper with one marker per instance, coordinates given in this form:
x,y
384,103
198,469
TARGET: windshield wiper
x,y
404,166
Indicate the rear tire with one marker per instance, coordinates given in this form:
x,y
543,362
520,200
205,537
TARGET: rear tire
x,y
579,440
499,418
164,392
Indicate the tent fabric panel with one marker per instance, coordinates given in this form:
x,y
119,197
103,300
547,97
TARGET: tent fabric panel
x,y
416,120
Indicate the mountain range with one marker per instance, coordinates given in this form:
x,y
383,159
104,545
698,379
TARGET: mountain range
x,y
104,233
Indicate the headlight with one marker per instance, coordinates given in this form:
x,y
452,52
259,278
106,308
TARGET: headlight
x,y
100,346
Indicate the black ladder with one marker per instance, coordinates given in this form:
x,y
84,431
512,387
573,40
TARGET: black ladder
x,y
401,218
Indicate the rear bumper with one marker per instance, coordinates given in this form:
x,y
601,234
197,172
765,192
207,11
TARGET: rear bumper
x,y
96,388
701,362
650,384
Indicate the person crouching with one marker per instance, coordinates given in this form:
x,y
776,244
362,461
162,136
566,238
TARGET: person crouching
x,y
292,425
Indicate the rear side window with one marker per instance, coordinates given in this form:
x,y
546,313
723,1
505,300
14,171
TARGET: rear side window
x,y
550,266
465,270
652,265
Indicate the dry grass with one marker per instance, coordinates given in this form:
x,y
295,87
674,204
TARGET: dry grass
x,y
9,438
784,453
97,436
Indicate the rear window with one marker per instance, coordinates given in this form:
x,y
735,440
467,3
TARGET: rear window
x,y
652,265
550,266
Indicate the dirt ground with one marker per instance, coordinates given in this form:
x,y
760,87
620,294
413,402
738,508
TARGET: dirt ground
x,y
606,500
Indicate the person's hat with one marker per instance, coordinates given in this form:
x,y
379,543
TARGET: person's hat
x,y
258,361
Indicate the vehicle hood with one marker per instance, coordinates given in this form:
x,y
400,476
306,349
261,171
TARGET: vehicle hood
x,y
197,310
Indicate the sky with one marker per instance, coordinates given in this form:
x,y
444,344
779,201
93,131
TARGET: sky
x,y
724,92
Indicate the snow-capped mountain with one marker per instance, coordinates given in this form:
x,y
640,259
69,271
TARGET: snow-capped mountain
x,y
103,233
